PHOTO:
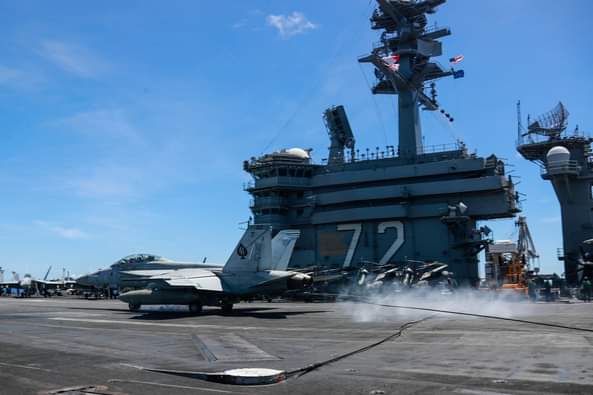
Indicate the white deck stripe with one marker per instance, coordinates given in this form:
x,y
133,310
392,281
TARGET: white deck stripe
x,y
227,327
14,365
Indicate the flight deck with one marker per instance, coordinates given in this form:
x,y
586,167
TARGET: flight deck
x,y
75,346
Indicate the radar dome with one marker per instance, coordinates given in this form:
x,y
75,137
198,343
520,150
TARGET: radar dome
x,y
558,155
298,152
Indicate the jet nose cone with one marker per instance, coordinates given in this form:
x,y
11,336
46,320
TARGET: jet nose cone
x,y
81,280
85,281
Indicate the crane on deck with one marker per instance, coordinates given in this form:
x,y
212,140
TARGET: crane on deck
x,y
509,264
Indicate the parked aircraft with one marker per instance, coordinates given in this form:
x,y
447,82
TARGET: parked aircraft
x,y
25,284
31,286
257,266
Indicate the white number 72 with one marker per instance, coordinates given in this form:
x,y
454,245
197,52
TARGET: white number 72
x,y
357,228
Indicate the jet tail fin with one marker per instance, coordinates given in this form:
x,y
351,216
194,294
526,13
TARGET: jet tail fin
x,y
282,247
253,253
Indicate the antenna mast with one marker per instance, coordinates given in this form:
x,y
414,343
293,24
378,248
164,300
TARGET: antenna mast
x,y
403,64
47,273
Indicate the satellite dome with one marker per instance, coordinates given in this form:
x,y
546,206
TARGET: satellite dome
x,y
557,155
298,152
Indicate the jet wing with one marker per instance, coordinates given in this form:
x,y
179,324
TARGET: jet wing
x,y
201,279
46,282
208,283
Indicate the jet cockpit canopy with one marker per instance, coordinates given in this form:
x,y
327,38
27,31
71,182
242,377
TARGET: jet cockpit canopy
x,y
137,258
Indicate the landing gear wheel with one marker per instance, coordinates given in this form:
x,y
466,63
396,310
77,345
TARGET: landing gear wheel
x,y
134,307
227,308
195,308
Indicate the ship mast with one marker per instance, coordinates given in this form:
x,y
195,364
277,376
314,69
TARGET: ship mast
x,y
402,63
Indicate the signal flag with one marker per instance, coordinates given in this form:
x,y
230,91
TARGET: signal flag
x,y
456,59
391,59
458,74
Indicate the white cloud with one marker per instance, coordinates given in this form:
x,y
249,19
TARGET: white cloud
x,y
72,58
66,233
291,25
240,24
102,123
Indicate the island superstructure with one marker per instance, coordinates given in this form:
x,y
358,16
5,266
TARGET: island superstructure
x,y
565,160
391,205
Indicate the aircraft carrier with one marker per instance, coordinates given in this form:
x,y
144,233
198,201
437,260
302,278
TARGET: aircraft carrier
x,y
393,205
361,205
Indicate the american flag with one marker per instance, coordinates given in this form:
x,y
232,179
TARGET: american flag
x,y
456,59
391,59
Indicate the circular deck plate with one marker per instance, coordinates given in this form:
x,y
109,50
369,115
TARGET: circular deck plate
x,y
254,376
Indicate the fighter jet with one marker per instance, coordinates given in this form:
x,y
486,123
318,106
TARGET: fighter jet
x,y
257,266
25,284
115,278
31,286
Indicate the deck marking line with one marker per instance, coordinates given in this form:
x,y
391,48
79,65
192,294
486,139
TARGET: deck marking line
x,y
226,327
14,365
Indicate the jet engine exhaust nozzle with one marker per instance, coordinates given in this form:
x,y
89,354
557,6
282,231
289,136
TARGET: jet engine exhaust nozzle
x,y
299,281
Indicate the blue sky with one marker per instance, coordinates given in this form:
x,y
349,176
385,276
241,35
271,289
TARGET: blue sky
x,y
124,124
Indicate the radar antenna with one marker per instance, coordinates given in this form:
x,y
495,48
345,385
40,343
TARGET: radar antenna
x,y
340,134
550,124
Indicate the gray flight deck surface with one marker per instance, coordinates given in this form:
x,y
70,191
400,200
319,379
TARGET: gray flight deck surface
x,y
50,344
